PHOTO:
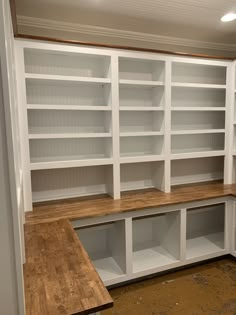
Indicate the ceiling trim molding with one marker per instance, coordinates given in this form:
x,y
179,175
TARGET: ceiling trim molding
x,y
33,22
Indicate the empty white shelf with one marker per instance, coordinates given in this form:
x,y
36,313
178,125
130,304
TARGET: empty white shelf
x,y
141,82
69,135
205,245
198,109
107,268
141,108
143,158
151,258
156,241
197,154
48,77
66,163
186,132
69,107
199,85
141,133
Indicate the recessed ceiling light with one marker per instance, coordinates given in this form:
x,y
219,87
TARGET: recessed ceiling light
x,y
228,17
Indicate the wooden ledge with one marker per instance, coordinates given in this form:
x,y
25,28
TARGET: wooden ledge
x,y
59,276
77,208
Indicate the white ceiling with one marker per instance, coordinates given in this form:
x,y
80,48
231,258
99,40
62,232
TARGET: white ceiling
x,y
190,19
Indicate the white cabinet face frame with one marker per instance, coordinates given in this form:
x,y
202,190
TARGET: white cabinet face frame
x,y
164,244
148,91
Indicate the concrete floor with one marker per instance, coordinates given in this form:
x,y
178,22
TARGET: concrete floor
x,y
209,289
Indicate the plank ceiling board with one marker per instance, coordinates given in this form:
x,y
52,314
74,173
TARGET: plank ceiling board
x,y
192,19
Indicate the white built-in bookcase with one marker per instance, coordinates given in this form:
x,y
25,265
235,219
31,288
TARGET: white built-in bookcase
x,y
97,121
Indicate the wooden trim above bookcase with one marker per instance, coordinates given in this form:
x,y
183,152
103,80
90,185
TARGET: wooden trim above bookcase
x,y
76,42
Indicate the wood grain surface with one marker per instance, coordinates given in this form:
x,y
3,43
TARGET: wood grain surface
x,y
59,277
76,208
112,46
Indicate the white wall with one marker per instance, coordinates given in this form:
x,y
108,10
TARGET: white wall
x,y
11,203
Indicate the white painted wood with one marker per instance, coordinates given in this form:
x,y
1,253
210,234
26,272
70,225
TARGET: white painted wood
x,y
11,192
155,241
233,226
197,143
192,98
135,176
189,171
205,231
52,184
197,121
105,245
115,126
50,62
229,117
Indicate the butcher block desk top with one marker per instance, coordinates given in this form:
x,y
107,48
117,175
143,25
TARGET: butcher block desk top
x,y
59,276
79,208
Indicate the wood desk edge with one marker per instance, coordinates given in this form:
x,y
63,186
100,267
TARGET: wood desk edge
x,y
38,279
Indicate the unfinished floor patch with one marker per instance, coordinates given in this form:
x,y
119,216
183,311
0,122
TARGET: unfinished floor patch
x,y
207,289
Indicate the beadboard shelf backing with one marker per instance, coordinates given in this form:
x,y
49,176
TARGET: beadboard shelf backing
x,y
197,143
141,121
197,120
141,96
205,231
141,69
156,241
44,150
199,170
53,184
141,146
136,176
68,64
64,122
197,98
198,74
62,93
106,246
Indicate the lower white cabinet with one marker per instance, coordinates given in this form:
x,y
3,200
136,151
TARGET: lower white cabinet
x,y
134,244
205,231
105,245
156,241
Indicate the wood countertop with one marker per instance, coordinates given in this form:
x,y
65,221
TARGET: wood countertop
x,y
77,208
59,276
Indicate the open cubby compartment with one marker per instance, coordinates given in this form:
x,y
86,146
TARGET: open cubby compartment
x,y
141,69
197,143
141,96
198,73
49,92
197,97
156,241
66,63
53,184
137,176
205,230
199,120
53,150
138,121
234,169
188,171
106,247
141,146
68,121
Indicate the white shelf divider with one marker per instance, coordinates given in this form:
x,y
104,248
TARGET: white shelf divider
x,y
68,107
